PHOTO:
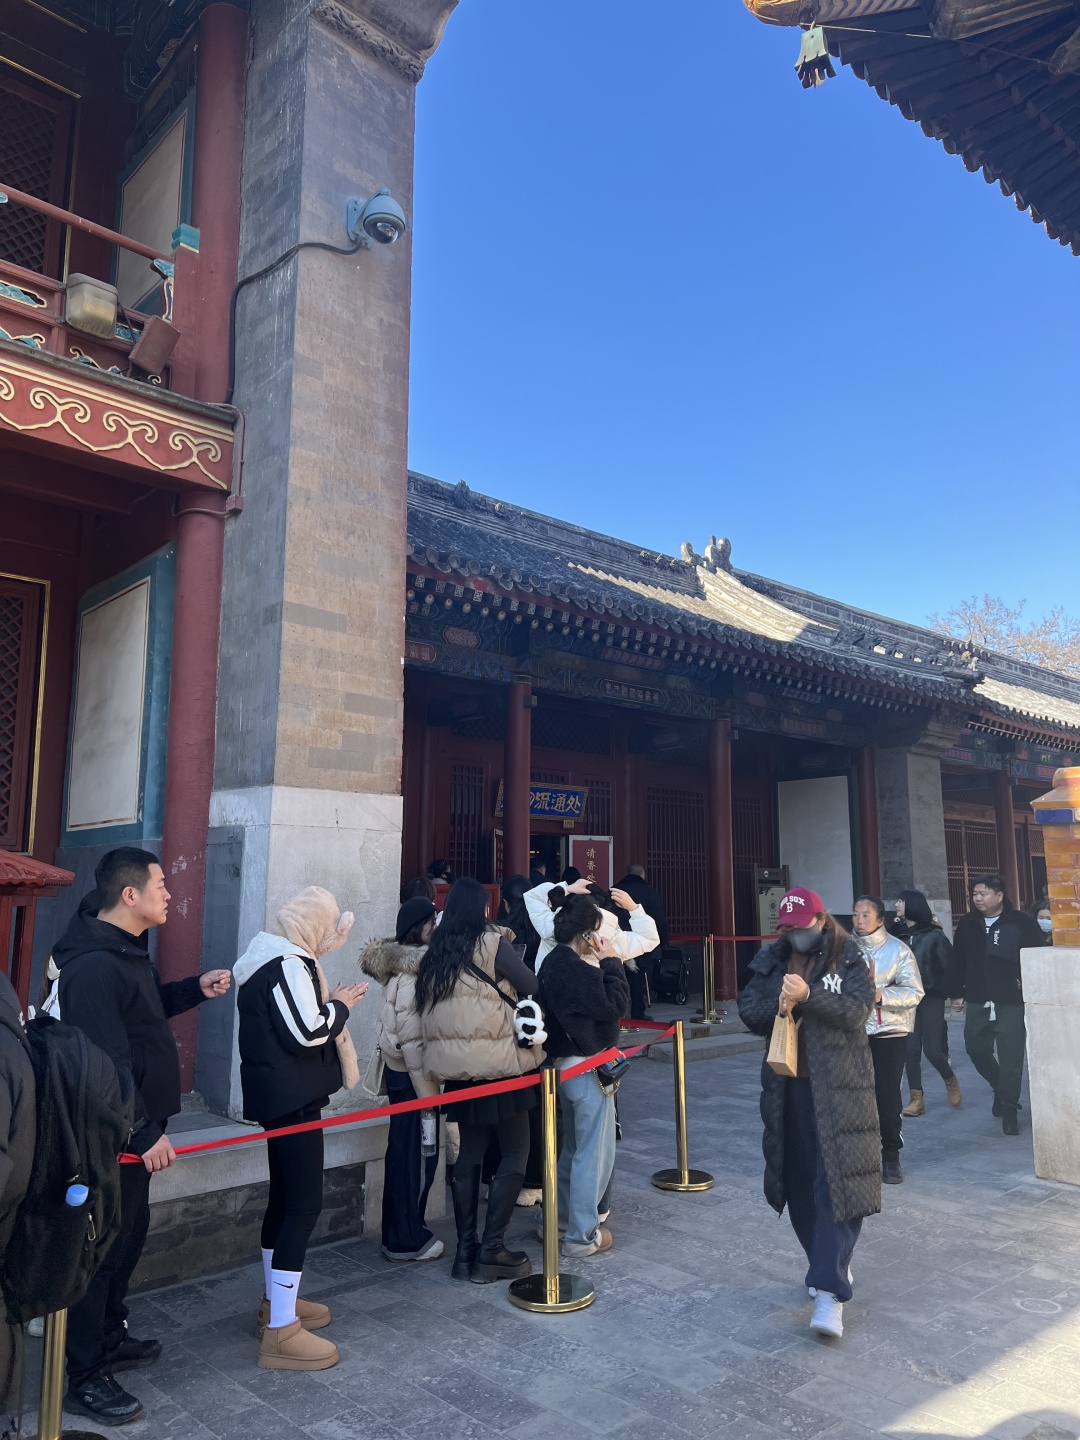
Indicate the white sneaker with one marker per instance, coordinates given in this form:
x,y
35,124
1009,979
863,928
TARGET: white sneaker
x,y
828,1318
603,1215
813,1293
530,1196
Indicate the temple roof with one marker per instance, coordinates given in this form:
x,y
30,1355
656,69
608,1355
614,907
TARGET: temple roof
x,y
454,531
21,872
997,82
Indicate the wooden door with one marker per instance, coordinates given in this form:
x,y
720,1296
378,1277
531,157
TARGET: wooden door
x,y
20,646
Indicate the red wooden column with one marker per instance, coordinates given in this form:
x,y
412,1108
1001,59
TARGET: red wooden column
x,y
869,859
1001,787
721,856
517,768
189,775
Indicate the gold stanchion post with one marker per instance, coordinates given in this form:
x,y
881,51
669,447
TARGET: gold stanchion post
x,y
51,1405
708,980
682,1178
551,1293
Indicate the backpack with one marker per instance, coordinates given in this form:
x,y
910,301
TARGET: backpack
x,y
84,1117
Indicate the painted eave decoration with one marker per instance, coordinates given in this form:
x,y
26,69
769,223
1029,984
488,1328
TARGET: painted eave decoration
x,y
107,421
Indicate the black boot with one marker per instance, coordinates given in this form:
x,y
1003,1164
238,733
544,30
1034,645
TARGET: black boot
x,y
495,1262
891,1173
465,1190
1010,1125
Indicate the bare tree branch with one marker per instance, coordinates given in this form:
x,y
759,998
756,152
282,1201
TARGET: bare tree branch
x,y
1052,641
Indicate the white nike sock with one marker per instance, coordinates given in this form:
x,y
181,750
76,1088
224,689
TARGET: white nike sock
x,y
268,1265
283,1287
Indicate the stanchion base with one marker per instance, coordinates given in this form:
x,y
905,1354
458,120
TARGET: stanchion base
x,y
77,1435
674,1180
530,1293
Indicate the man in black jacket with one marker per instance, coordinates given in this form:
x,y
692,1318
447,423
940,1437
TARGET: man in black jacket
x,y
110,990
986,954
643,894
18,1128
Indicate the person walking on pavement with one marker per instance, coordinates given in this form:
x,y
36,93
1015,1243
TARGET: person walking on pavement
x,y
821,1142
916,926
467,988
110,990
642,893
898,990
986,952
584,995
408,1173
295,1052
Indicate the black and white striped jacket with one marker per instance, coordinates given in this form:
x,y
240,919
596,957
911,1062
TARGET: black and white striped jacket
x,y
287,1056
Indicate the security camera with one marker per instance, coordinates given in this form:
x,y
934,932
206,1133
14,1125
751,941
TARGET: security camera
x,y
380,219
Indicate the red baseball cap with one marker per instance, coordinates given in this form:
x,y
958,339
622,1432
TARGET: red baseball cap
x,y
799,907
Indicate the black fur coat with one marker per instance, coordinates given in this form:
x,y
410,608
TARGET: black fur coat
x,y
841,1075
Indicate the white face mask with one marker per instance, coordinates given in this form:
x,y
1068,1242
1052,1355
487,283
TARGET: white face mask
x,y
1046,925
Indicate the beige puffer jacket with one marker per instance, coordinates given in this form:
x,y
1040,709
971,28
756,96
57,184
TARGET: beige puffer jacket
x,y
470,1034
398,1035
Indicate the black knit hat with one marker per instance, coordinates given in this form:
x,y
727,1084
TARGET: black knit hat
x,y
414,912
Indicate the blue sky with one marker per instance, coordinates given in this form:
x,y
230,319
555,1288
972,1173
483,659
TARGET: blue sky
x,y
663,292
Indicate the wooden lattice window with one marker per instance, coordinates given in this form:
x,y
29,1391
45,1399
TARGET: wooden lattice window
x,y
35,136
675,858
20,639
466,819
597,817
750,840
559,729
971,849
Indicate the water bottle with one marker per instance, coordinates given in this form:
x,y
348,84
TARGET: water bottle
x,y
428,1147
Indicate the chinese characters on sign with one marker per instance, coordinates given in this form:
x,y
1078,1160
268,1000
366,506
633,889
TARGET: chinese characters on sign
x,y
591,854
557,802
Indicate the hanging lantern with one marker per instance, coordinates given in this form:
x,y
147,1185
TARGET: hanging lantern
x,y
814,65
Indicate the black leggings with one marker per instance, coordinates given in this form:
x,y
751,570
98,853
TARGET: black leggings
x,y
889,1053
296,1190
512,1135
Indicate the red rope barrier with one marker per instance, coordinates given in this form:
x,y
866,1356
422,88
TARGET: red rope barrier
x,y
427,1102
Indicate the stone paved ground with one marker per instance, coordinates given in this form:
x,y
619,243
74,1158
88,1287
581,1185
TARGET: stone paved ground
x,y
966,1320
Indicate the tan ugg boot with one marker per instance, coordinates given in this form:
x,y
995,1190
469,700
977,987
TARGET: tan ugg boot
x,y
915,1105
310,1313
292,1348
952,1089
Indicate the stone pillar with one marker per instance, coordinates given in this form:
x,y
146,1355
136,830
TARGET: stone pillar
x,y
869,863
310,696
517,772
1001,789
721,856
1052,990
911,821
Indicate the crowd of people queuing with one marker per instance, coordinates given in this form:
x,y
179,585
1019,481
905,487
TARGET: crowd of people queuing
x,y
465,1001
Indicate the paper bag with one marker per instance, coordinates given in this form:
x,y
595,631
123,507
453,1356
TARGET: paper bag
x,y
783,1056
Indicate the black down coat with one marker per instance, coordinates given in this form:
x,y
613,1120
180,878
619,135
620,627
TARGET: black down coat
x,y
841,1075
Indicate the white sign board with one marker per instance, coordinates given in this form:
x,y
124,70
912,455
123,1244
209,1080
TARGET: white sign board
x,y
106,735
815,837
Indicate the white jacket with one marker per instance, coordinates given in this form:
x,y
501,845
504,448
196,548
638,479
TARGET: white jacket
x,y
896,975
625,945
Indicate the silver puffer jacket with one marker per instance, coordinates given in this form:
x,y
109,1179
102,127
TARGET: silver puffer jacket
x,y
896,975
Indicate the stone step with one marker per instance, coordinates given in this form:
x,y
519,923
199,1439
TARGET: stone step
x,y
709,1047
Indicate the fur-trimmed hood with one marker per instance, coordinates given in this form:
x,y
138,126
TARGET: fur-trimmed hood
x,y
383,959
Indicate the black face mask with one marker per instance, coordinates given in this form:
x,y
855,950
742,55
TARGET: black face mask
x,y
804,941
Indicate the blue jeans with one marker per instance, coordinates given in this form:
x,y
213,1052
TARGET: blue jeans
x,y
828,1243
588,1155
